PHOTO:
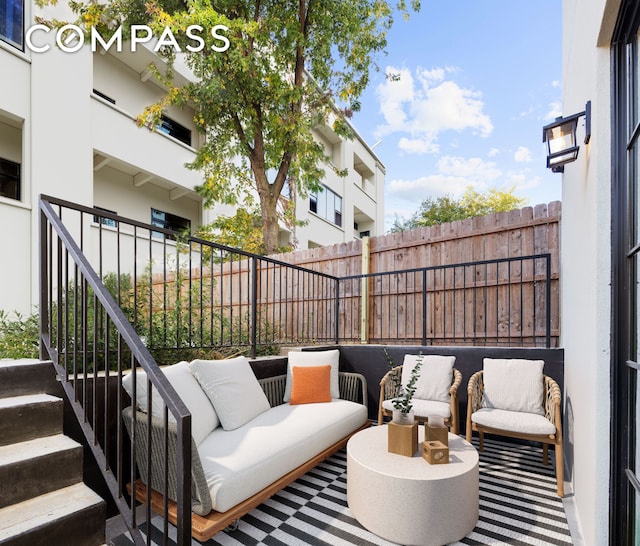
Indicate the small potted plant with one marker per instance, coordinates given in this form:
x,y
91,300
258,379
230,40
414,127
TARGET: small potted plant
x,y
403,430
402,403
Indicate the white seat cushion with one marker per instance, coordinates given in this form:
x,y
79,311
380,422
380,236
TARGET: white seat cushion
x,y
314,358
513,384
436,376
424,408
204,418
239,463
232,388
513,421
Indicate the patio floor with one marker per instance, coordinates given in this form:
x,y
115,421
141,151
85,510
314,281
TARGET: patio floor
x,y
518,505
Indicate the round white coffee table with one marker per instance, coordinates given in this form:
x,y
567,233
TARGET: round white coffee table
x,y
406,499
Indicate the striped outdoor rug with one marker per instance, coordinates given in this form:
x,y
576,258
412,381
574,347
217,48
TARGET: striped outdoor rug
x,y
518,505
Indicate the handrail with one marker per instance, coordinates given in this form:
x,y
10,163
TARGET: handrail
x,y
64,343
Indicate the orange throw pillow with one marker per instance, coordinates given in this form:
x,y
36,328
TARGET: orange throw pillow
x,y
310,384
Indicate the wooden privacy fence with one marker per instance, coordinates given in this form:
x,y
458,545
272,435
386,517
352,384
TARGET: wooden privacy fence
x,y
497,297
491,280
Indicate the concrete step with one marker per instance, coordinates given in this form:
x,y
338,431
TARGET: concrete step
x,y
32,468
24,376
31,416
71,516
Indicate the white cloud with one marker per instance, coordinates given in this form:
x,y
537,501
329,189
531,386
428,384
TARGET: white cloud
x,y
493,152
522,155
473,169
555,83
426,105
435,185
555,111
418,145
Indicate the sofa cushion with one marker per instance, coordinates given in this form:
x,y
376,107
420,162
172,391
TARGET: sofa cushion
x,y
314,358
239,463
204,418
424,408
513,421
513,384
232,388
436,376
310,384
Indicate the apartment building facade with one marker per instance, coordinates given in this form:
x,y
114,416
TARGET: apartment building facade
x,y
67,129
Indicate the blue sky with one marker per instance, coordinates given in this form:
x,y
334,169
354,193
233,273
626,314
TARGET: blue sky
x,y
478,80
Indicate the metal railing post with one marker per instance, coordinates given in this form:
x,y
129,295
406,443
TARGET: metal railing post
x,y
254,307
44,283
548,302
337,312
424,307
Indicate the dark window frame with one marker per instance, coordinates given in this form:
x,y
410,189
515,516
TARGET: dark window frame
x,y
170,221
107,222
625,354
331,213
10,173
174,129
9,36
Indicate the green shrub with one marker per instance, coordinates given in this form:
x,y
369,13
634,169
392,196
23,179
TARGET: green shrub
x,y
18,336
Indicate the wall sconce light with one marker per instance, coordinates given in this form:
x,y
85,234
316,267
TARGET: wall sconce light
x,y
560,137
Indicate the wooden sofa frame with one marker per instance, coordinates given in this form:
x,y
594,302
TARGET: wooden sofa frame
x,y
389,389
353,387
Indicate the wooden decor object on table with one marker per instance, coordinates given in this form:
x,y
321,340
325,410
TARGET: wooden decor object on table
x,y
435,452
435,429
403,439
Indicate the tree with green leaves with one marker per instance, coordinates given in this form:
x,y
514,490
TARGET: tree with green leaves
x,y
440,210
290,67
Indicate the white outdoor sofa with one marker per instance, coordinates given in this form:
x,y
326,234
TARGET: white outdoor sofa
x,y
236,468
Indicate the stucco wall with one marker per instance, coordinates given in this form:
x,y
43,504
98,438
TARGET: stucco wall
x,y
586,269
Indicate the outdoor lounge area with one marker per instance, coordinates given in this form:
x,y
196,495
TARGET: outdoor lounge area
x,y
223,439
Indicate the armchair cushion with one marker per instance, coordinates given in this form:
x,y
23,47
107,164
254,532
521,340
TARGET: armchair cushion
x,y
204,418
436,376
424,408
314,358
513,385
232,388
513,421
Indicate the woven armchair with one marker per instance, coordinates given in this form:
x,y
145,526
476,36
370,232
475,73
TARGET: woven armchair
x,y
552,401
389,389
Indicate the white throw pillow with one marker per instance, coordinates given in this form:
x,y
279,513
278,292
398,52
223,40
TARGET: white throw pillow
x,y
203,416
314,358
436,376
232,388
513,384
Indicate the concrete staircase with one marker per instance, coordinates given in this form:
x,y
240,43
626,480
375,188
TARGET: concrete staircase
x,y
43,500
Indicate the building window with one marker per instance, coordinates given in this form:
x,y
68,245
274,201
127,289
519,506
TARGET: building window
x,y
625,362
172,128
327,205
170,221
109,222
9,179
11,21
101,94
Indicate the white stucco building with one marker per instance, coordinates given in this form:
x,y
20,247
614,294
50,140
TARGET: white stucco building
x,y
67,130
600,269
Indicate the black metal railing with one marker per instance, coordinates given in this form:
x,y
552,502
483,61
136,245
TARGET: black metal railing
x,y
502,302
90,340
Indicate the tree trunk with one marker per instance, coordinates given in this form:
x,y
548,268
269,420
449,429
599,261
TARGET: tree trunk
x,y
270,228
